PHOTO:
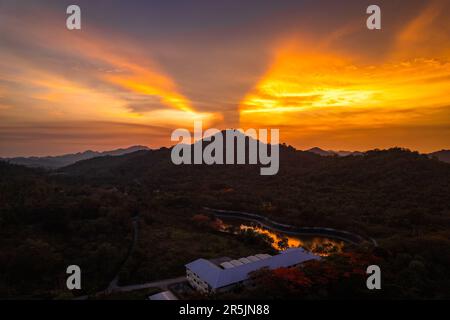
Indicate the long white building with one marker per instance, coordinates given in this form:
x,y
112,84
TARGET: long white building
x,y
207,276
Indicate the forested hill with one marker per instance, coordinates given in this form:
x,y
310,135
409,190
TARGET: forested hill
x,y
393,188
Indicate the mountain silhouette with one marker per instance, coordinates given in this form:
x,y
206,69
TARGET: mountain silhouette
x,y
443,155
54,162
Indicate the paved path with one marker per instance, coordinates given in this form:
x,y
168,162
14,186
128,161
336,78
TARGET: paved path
x,y
162,284
114,282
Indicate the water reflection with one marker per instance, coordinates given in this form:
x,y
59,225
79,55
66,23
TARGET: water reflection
x,y
316,244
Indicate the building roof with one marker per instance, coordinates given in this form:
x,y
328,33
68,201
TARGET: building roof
x,y
244,260
165,295
226,265
218,277
253,258
236,263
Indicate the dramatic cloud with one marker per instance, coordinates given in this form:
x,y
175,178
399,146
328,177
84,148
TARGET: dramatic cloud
x,y
83,77
323,95
322,78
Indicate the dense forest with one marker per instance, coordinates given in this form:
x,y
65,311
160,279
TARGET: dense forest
x,y
82,214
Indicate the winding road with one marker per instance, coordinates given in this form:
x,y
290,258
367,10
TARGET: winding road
x,y
162,284
113,285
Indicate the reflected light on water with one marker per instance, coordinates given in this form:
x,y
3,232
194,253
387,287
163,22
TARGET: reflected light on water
x,y
317,245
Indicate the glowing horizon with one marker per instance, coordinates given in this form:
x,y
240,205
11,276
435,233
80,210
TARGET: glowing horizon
x,y
321,94
137,72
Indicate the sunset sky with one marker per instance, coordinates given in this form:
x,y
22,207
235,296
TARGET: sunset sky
x,y
139,69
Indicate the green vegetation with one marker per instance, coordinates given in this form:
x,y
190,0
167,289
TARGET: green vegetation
x,y
46,227
82,214
170,240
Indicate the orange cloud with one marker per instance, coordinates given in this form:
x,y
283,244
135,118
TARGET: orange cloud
x,y
318,93
111,76
427,34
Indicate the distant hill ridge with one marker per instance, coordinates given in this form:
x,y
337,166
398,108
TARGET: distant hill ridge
x,y
55,162
443,155
340,153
